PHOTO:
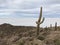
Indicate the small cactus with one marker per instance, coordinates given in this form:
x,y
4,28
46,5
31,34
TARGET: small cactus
x,y
39,21
55,26
50,25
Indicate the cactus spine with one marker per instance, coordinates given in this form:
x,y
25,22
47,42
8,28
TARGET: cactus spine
x,y
40,21
55,25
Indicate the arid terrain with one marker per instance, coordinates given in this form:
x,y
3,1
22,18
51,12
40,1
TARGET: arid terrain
x,y
26,35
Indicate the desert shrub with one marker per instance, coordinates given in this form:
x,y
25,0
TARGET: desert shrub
x,y
41,37
31,43
36,44
57,42
21,43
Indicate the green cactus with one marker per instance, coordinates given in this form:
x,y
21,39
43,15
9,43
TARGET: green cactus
x,y
40,21
55,26
50,25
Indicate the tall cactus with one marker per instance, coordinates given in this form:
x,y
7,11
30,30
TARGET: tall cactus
x,y
40,21
55,25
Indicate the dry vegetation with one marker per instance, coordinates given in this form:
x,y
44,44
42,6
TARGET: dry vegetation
x,y
26,35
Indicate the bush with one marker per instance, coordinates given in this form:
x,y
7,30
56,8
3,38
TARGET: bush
x,y
57,42
41,37
21,42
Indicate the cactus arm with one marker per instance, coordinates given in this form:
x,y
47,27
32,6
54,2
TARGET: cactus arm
x,y
40,15
42,20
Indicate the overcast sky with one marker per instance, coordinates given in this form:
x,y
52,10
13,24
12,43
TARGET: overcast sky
x,y
29,9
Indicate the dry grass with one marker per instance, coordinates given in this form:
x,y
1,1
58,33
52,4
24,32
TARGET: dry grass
x,y
26,35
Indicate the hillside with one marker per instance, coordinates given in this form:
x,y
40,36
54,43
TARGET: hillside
x,y
26,35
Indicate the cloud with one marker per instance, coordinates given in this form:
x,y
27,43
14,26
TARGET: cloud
x,y
29,7
22,4
53,1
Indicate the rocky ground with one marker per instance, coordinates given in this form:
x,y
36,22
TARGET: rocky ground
x,y
26,35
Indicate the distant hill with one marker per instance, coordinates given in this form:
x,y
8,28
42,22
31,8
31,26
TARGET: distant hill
x,y
7,29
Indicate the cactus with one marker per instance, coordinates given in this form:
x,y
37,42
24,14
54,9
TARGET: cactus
x,y
39,21
55,26
50,25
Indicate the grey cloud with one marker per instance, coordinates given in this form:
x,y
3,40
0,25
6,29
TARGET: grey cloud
x,y
53,1
25,4
50,6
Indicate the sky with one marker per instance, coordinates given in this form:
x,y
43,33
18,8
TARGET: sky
x,y
19,12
